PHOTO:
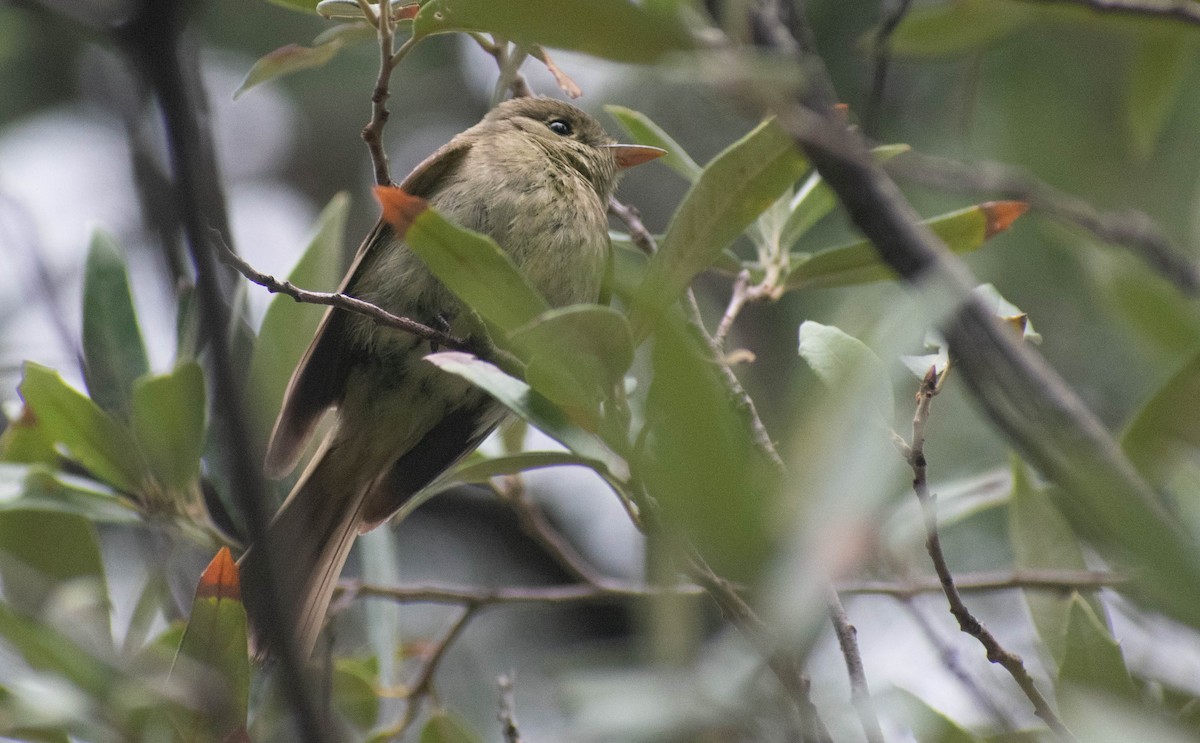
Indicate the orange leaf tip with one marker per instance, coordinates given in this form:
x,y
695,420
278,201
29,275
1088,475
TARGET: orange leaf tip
x,y
1001,214
220,579
407,13
399,207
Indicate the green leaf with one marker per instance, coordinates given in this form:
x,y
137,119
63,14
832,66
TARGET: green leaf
x,y
815,199
1042,538
215,642
1092,658
645,131
475,268
930,725
482,471
113,352
354,692
963,231
446,727
26,441
38,488
93,437
294,57
305,6
288,325
1162,60
700,464
44,648
1163,439
41,552
534,408
168,423
623,31
957,27
840,359
737,186
576,355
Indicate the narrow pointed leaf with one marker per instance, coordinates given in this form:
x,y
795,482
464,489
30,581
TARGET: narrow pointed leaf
x,y
1092,658
1042,538
214,642
737,186
858,263
38,488
91,436
1161,62
1163,439
113,352
446,727
470,264
168,423
645,131
840,359
533,407
576,355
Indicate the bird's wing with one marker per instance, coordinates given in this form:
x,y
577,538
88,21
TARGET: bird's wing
x,y
319,380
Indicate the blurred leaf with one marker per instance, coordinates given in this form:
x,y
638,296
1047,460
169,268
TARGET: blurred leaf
x,y
168,423
928,724
215,639
700,464
623,31
512,464
401,10
963,231
37,488
957,27
737,186
288,326
354,693
93,437
840,359
446,727
40,552
378,553
113,352
1042,538
576,355
155,594
294,57
475,268
44,648
1162,60
1163,439
1093,659
528,404
815,199
25,441
645,131
1157,312
308,6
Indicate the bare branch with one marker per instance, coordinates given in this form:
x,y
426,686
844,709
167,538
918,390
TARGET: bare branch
x,y
341,301
860,693
485,597
1172,10
1044,580
967,622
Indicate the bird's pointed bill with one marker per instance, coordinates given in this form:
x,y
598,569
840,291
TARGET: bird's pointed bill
x,y
629,155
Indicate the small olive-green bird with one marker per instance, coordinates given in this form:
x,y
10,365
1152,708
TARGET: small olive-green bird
x,y
535,175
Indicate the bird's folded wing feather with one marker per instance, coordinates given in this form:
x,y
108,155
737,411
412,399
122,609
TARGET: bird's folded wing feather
x,y
319,380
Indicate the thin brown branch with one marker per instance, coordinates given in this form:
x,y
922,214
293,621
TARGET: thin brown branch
x,y
1182,11
882,59
484,597
860,692
967,622
534,523
422,686
372,133
1129,228
508,714
739,296
949,659
1044,580
341,301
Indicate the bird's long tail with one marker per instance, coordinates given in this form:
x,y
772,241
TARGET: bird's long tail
x,y
313,534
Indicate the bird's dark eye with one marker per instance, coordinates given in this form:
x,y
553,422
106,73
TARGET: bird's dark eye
x,y
560,127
